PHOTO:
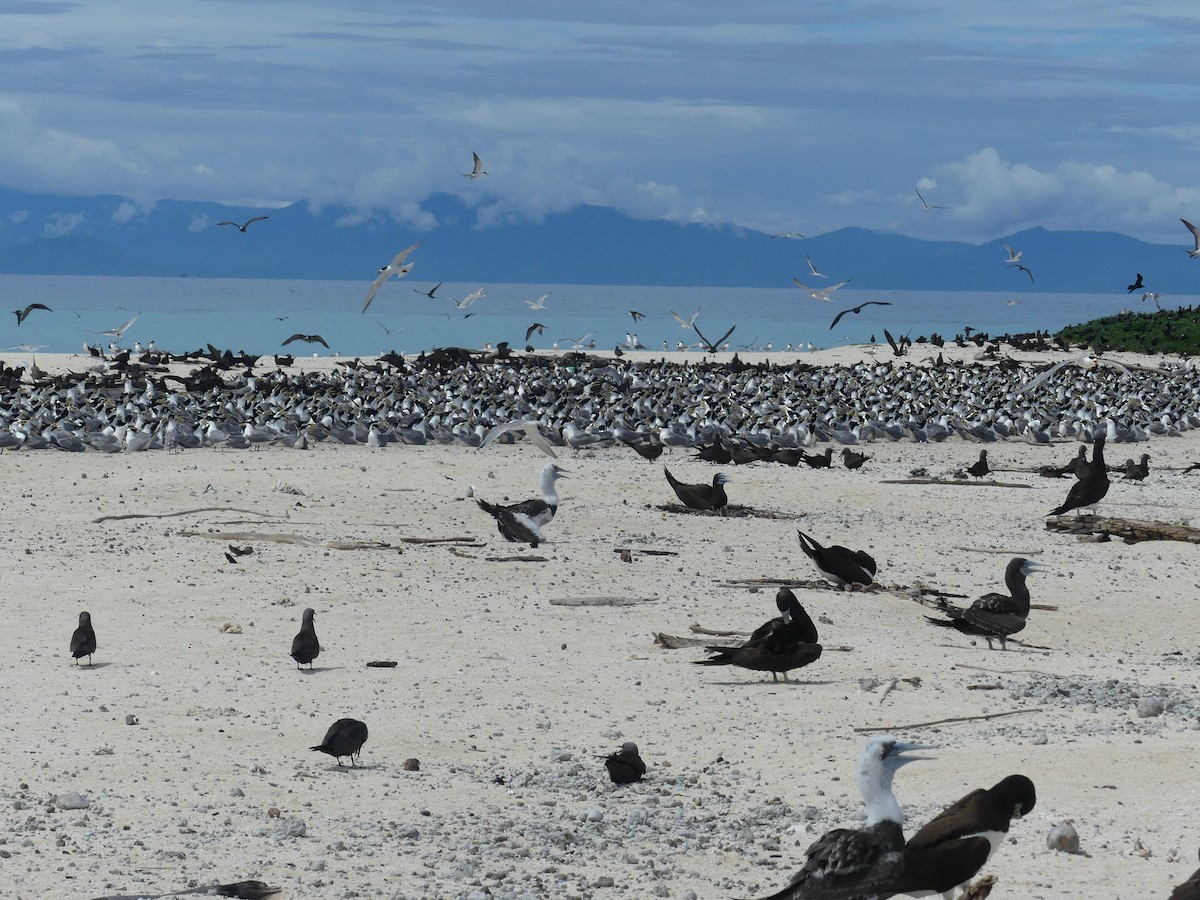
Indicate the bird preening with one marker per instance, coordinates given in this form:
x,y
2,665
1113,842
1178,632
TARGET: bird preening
x,y
778,646
345,737
626,765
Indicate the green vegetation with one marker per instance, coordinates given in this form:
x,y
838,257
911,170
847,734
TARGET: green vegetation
x,y
1164,331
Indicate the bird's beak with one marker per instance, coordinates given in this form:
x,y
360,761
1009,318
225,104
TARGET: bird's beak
x,y
1036,567
900,749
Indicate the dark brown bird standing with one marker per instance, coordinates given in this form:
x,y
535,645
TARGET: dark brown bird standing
x,y
83,640
980,468
345,737
305,647
786,642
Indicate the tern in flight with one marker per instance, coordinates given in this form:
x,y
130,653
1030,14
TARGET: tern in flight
x,y
857,309
795,235
1014,256
396,267
249,222
477,170
813,268
576,343
823,293
1195,252
686,323
119,330
429,293
539,303
469,299
928,206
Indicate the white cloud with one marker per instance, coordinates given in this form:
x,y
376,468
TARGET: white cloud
x,y
200,222
19,216
62,224
128,210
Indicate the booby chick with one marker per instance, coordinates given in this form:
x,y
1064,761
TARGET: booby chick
x,y
701,496
1089,489
858,864
956,844
345,737
305,647
996,615
522,522
83,639
786,642
839,564
626,765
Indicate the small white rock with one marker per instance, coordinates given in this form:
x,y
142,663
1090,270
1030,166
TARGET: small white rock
x,y
1063,838
71,800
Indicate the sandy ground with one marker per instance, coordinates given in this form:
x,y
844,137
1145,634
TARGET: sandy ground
x,y
506,698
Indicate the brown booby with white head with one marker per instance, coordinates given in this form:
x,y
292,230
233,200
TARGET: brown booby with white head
x,y
701,496
853,863
786,642
956,844
839,564
996,615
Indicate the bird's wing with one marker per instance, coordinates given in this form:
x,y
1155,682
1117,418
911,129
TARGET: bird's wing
x,y
294,337
891,340
37,306
317,339
800,284
1193,230
678,318
838,318
121,329
236,225
384,274
255,219
833,287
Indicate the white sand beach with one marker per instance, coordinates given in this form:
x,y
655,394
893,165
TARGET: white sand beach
x,y
506,698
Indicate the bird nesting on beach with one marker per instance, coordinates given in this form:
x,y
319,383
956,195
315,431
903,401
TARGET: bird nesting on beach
x,y
626,765
779,645
305,646
83,639
345,737
853,460
1137,471
818,460
839,564
995,616
701,496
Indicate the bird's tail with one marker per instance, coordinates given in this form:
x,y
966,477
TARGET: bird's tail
x,y
671,479
318,747
724,657
945,623
489,508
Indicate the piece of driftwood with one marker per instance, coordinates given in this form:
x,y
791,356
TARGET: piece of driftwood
x,y
999,715
278,538
955,481
644,552
984,687
1127,529
527,557
243,890
1006,671
697,628
999,552
732,511
182,512
465,539
597,601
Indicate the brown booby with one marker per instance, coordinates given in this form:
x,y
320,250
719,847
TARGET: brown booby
x,y
786,642
839,564
859,863
305,647
345,737
956,844
522,522
83,639
625,766
1090,488
701,496
995,615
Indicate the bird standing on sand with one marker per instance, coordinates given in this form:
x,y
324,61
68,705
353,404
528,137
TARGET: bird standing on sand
x,y
83,639
626,765
980,468
345,737
956,844
522,522
839,564
859,863
786,642
23,314
995,616
1137,471
305,646
397,267
701,496
1091,488
853,460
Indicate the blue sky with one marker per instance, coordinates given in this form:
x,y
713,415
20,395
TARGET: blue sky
x,y
777,116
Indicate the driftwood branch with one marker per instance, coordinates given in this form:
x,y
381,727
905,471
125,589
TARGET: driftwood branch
x,y
956,482
518,558
644,552
465,539
277,538
697,628
597,601
1127,529
999,552
999,715
182,512
732,511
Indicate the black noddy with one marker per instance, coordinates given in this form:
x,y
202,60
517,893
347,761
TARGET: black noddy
x,y
83,639
305,647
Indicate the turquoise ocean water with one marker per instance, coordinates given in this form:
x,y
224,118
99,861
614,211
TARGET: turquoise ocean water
x,y
257,315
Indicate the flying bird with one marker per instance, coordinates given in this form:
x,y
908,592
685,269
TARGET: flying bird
x,y
1085,362
119,330
713,346
1014,256
823,293
1023,269
469,299
1194,253
307,338
635,315
249,222
386,330
928,206
786,234
686,323
1136,286
429,293
477,169
536,326
530,428
812,267
897,349
23,314
857,309
539,303
396,267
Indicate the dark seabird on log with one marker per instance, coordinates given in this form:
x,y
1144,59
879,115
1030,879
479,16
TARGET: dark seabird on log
x,y
83,639
1091,488
701,496
786,642
345,737
853,460
859,863
980,468
839,564
1189,890
305,647
625,766
952,848
522,522
996,615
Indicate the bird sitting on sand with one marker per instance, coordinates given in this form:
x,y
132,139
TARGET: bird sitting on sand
x,y
819,460
1137,471
522,522
786,642
853,460
956,844
858,863
980,468
83,639
839,564
626,765
345,737
1091,488
701,496
995,615
305,647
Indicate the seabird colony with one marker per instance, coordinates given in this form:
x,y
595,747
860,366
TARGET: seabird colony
x,y
458,396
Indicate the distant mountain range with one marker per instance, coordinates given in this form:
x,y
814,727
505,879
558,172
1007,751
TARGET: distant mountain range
x,y
107,235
